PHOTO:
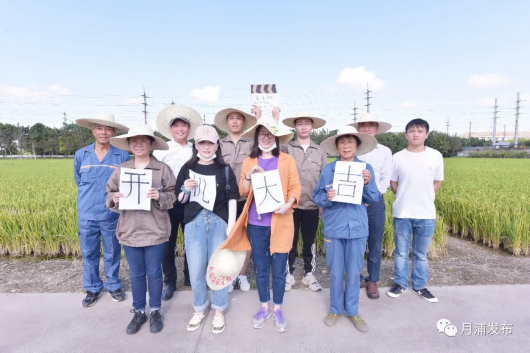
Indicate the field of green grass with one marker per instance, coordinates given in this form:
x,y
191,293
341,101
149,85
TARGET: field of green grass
x,y
486,200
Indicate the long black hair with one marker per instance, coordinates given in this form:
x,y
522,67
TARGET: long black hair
x,y
195,157
255,151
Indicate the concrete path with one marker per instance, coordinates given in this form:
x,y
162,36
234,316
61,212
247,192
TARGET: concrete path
x,y
58,323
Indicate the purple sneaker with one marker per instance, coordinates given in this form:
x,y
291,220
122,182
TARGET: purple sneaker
x,y
259,318
279,321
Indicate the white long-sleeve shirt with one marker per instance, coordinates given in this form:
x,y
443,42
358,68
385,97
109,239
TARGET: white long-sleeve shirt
x,y
176,156
381,160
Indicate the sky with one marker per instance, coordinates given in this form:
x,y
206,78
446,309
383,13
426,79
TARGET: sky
x,y
436,60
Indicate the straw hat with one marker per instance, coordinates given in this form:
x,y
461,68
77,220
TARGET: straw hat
x,y
368,117
138,130
368,142
317,122
168,115
224,267
220,119
104,118
271,124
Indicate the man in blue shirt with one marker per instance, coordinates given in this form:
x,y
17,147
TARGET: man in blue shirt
x,y
93,166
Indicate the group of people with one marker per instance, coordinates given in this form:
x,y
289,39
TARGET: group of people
x,y
219,240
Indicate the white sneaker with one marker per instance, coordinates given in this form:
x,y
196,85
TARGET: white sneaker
x,y
243,283
289,281
231,286
310,280
195,321
218,323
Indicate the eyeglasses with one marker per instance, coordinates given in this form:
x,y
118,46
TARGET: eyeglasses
x,y
368,124
264,135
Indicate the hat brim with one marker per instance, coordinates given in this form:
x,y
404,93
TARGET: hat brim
x,y
381,129
368,143
169,114
213,279
121,142
283,135
88,123
220,119
317,122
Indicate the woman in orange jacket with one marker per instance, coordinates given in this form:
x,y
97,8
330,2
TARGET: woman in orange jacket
x,y
273,231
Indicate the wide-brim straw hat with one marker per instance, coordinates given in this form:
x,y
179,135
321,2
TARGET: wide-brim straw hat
x,y
220,119
138,130
317,122
368,142
224,267
168,115
369,117
104,118
282,133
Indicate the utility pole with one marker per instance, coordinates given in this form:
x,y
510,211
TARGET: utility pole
x,y
469,139
504,137
516,137
367,105
354,112
172,102
447,125
64,119
145,106
495,124
204,119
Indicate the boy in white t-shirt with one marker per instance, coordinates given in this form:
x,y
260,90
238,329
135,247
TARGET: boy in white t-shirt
x,y
417,173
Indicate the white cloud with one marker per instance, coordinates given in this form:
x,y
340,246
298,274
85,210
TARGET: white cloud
x,y
406,105
329,88
487,80
207,94
486,102
358,77
134,101
33,91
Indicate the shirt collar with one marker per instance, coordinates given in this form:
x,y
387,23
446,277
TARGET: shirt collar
x,y
112,150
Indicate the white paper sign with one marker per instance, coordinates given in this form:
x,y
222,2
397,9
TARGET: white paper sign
x,y
206,190
268,192
134,185
265,97
348,182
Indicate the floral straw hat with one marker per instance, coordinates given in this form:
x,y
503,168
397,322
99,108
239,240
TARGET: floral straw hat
x,y
317,122
138,130
271,124
104,118
224,267
368,142
220,119
168,115
368,117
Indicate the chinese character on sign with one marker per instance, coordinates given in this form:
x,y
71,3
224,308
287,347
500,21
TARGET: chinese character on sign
x,y
134,185
268,191
205,191
348,182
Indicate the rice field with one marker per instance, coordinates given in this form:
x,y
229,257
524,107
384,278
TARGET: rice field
x,y
486,200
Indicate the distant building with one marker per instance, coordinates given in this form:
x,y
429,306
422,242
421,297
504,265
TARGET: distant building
x,y
488,135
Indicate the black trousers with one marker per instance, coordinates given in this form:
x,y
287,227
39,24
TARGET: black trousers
x,y
176,217
308,221
376,228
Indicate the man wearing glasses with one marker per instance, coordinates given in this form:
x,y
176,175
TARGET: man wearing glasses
x,y
381,161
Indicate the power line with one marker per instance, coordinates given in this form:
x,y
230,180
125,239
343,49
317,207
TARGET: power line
x,y
367,105
145,106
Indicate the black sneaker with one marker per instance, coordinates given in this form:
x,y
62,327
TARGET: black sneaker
x,y
90,299
425,294
168,291
395,291
138,320
155,322
118,295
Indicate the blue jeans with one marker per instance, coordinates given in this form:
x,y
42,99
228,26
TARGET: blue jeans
x,y
341,255
201,237
376,227
260,241
90,233
421,231
145,261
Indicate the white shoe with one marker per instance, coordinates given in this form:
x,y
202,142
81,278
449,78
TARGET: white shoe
x,y
310,280
195,321
231,286
289,281
243,283
218,323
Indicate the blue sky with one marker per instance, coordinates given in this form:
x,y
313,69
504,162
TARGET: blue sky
x,y
435,60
